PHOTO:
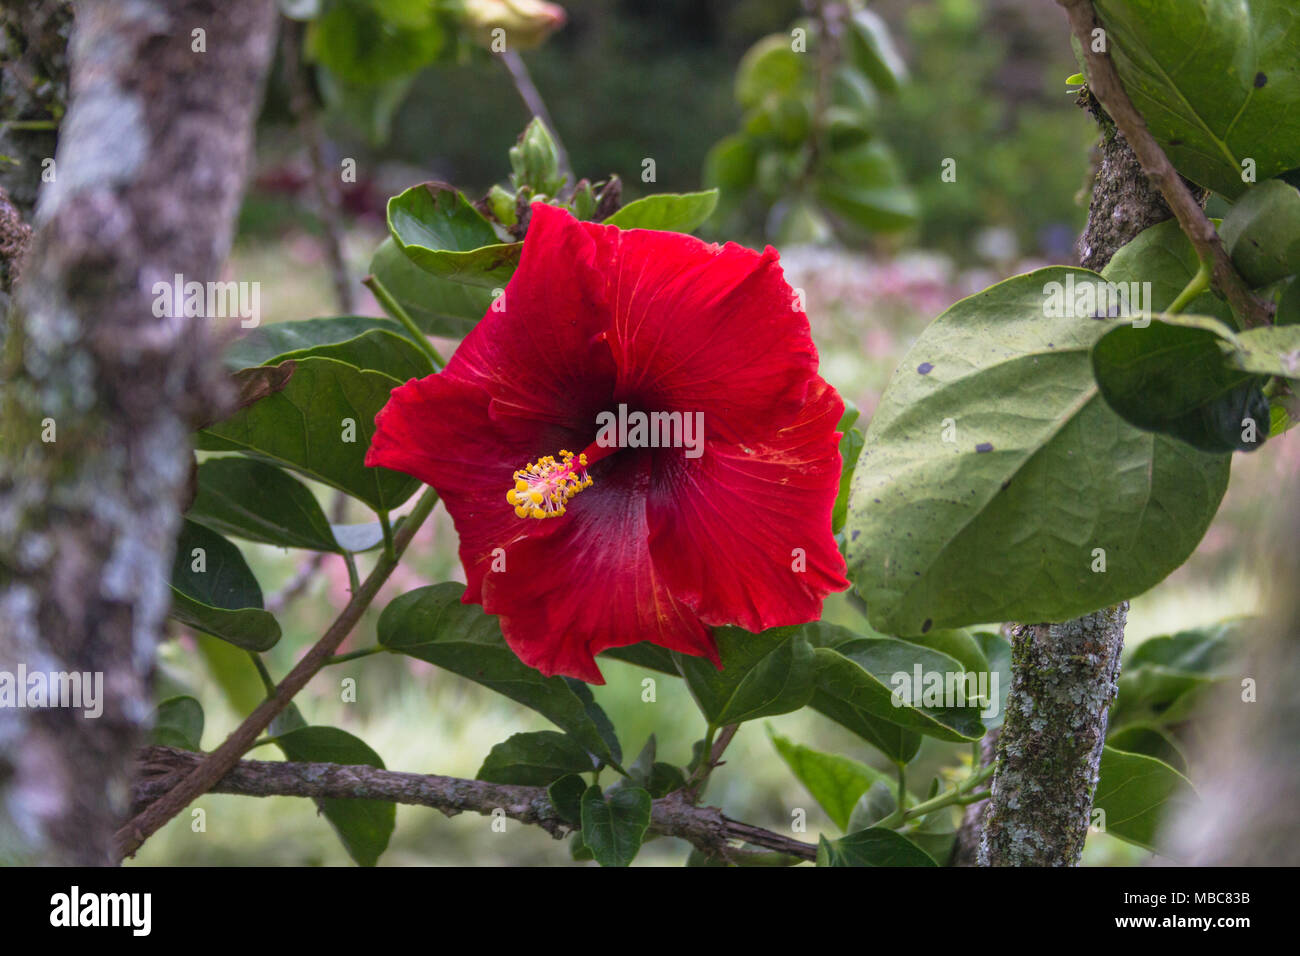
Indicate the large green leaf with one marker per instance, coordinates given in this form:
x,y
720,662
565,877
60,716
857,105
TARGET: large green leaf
x,y
370,43
614,826
214,591
378,350
253,500
364,826
303,427
1163,680
178,722
1171,377
872,847
762,675
1215,81
835,782
265,342
770,67
1041,472
671,212
432,624
438,306
1137,792
535,759
1262,232
877,676
438,230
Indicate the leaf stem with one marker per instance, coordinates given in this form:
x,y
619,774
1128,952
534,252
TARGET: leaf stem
x,y
354,579
267,683
354,655
391,306
388,536
1198,284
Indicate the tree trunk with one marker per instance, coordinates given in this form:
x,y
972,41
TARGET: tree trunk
x,y
1064,675
99,392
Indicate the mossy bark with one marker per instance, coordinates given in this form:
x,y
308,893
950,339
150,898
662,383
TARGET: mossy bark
x,y
99,391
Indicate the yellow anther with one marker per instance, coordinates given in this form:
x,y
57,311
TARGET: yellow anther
x,y
543,488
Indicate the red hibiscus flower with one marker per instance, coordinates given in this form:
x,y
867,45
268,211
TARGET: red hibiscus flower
x,y
580,544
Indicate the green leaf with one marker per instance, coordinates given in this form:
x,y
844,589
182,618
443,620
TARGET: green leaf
x,y
863,185
1151,741
851,442
835,782
364,826
1215,81
1137,792
438,230
379,350
371,43
645,654
872,50
1039,459
872,847
303,427
877,676
670,212
264,343
1270,350
440,307
430,623
878,802
214,591
729,166
535,759
565,795
1163,256
253,500
997,651
1262,232
1171,377
1163,680
1288,304
613,827
762,675
656,777
770,66
178,722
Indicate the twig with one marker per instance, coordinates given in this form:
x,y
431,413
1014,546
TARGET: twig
x,y
707,828
217,764
303,107
532,98
1105,84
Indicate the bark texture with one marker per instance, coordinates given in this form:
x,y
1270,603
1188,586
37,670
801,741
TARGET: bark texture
x,y
1063,681
99,392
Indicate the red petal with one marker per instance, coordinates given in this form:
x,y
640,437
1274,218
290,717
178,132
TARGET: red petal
x,y
439,430
723,527
701,327
542,356
591,585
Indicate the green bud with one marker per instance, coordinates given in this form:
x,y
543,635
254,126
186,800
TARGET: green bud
x,y
584,200
502,204
535,161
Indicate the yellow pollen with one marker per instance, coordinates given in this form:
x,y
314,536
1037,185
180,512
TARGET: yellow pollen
x,y
543,488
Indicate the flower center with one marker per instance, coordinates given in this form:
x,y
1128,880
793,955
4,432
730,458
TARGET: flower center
x,y
543,488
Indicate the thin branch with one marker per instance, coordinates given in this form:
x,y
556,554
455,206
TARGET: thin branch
x,y
1105,84
324,180
532,98
706,828
217,764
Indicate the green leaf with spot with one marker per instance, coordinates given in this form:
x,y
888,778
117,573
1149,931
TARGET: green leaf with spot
x,y
1262,232
1215,81
1037,458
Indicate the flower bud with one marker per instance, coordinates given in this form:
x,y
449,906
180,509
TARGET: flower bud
x,y
535,161
526,23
